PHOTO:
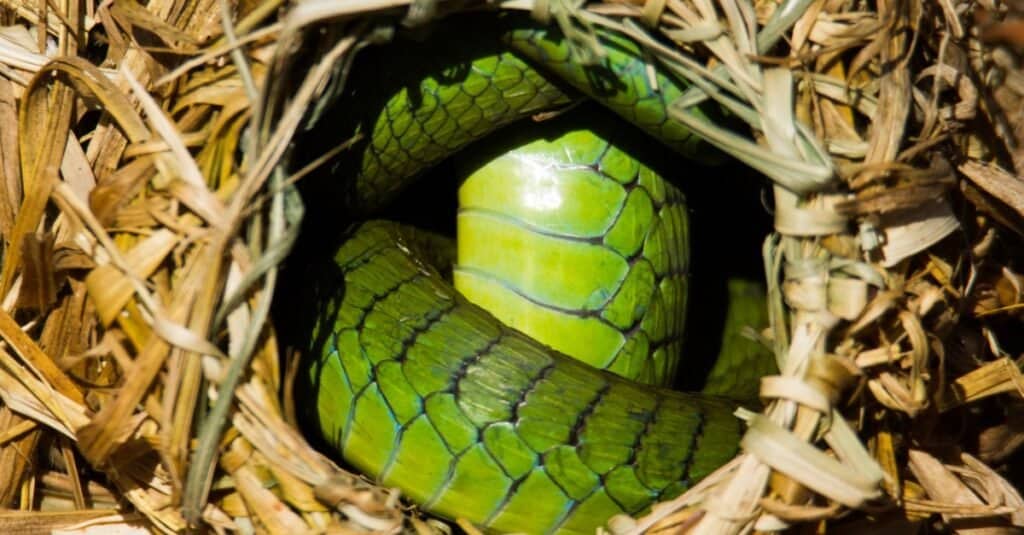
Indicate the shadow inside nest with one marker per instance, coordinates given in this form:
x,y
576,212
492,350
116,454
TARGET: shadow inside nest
x,y
729,208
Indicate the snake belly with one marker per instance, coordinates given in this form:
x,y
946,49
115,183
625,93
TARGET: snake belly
x,y
425,391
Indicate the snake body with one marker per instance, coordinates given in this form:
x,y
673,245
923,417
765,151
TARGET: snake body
x,y
422,389
578,244
472,419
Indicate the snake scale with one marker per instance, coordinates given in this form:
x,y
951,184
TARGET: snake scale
x,y
417,386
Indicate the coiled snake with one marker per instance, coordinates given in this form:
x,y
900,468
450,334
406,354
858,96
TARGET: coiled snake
x,y
417,386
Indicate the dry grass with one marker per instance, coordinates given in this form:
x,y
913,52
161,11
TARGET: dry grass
x,y
141,382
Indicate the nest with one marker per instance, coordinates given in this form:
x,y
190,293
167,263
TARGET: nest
x,y
142,384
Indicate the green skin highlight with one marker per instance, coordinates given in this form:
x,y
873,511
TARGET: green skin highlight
x,y
575,242
420,388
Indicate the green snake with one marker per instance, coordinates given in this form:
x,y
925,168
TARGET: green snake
x,y
417,386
